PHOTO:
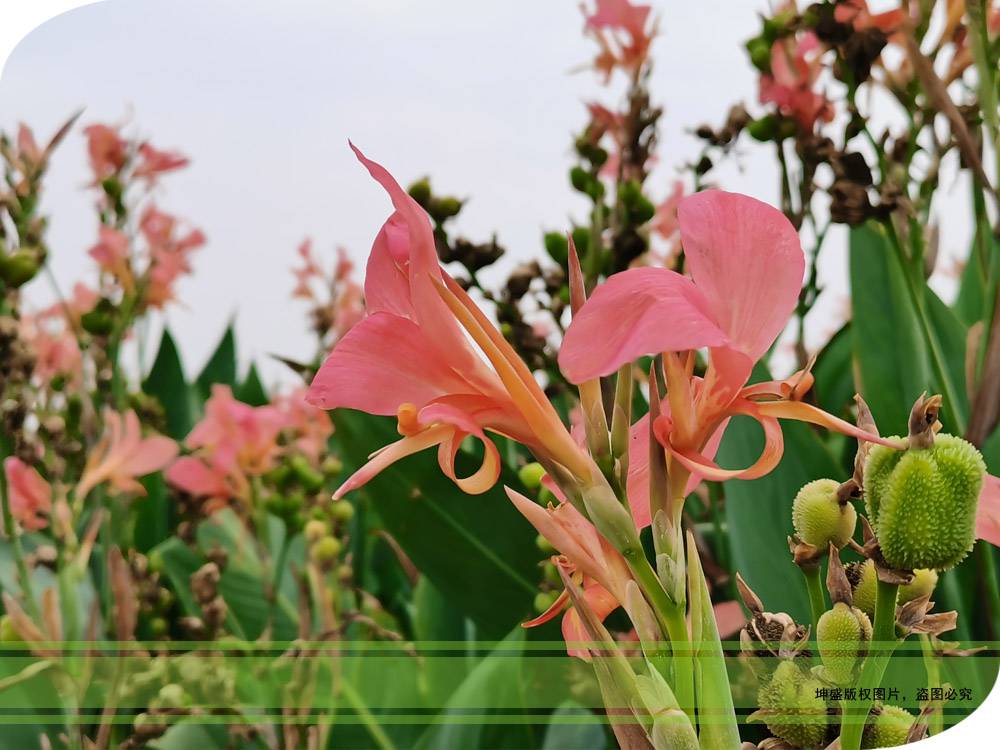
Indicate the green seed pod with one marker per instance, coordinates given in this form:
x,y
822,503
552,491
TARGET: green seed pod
x,y
888,726
923,583
19,267
842,634
8,634
342,511
316,530
531,475
420,191
864,585
544,545
795,713
310,479
332,466
820,518
760,53
922,501
544,600
170,696
325,551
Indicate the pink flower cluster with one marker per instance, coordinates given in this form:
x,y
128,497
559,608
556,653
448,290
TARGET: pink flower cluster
x,y
623,34
235,442
338,301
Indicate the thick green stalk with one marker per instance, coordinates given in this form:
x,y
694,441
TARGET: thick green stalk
x,y
672,622
933,680
884,642
817,599
14,535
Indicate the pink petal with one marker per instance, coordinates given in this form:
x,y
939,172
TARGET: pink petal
x,y
637,312
194,477
729,618
745,258
382,362
988,515
387,285
602,603
152,454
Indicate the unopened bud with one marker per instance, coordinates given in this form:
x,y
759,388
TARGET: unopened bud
x,y
819,516
531,475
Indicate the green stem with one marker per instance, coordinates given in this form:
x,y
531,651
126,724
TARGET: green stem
x,y
933,680
14,535
670,615
817,599
884,642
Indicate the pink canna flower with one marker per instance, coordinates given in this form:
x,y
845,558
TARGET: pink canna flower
x,y
857,14
233,442
795,67
122,455
746,267
620,29
988,514
603,570
30,496
107,150
155,162
310,427
169,254
411,357
112,254
665,224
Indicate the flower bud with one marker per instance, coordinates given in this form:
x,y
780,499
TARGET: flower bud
x,y
20,266
325,550
531,475
760,53
923,584
922,501
544,600
820,517
342,511
888,726
316,530
842,634
310,479
791,708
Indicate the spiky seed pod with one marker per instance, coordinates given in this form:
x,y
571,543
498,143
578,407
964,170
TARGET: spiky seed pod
x,y
923,584
821,517
791,707
842,635
888,726
922,501
864,584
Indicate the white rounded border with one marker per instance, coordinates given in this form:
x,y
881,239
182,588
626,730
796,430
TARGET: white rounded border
x,y
20,17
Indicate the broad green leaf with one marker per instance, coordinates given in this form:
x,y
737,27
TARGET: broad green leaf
x,y
221,366
573,726
166,381
251,390
434,620
178,562
717,728
834,388
154,514
479,552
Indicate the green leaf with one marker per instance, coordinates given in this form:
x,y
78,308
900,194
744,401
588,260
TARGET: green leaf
x,y
167,383
714,697
251,390
154,516
434,620
178,562
834,388
221,366
573,726
479,552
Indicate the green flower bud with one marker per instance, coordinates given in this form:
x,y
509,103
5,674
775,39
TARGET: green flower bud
x,y
158,627
544,600
922,501
420,191
888,726
793,712
864,585
550,573
170,696
332,466
842,634
923,583
7,632
820,519
316,530
442,209
20,266
310,479
763,129
101,318
342,511
325,550
531,475
760,54
580,179
544,545
557,246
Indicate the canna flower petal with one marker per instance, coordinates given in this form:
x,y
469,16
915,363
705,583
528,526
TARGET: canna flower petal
x,y
602,603
196,478
29,494
745,257
637,312
988,513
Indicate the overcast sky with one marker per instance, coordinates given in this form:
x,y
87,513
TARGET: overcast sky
x,y
264,95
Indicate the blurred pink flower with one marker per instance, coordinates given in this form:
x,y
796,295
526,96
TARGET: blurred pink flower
x,y
169,256
123,454
988,515
155,162
232,442
795,68
107,150
620,29
857,14
747,268
27,147
412,356
57,353
29,494
310,427
665,224
112,254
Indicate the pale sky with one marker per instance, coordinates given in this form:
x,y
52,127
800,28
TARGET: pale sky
x,y
263,96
